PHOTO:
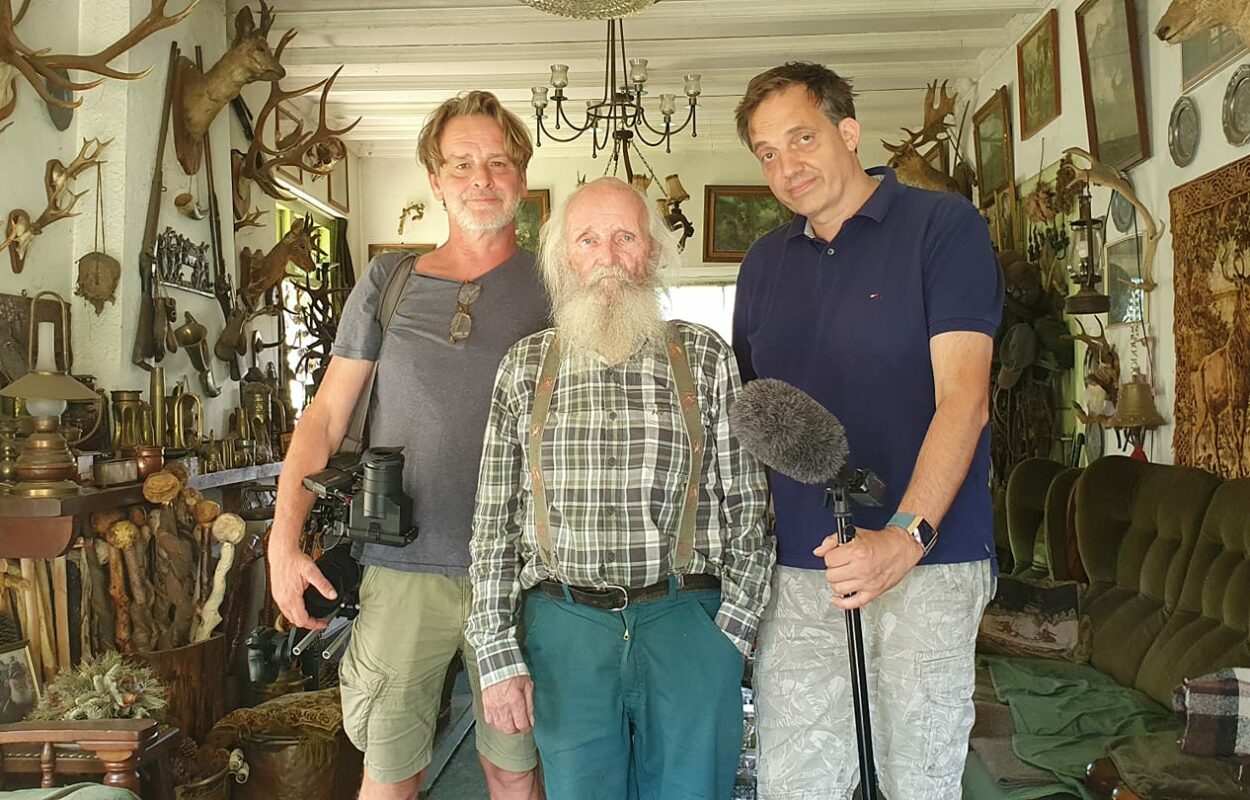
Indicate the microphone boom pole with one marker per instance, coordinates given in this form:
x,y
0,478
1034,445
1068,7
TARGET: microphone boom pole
x,y
837,495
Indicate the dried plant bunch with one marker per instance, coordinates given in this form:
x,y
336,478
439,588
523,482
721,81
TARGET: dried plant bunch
x,y
107,687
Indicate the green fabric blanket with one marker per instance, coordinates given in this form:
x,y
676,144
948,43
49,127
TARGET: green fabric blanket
x,y
79,791
1065,715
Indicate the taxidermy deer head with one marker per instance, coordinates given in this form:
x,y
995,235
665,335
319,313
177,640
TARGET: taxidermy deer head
x,y
911,167
200,95
21,230
1184,18
263,272
1102,375
317,151
39,67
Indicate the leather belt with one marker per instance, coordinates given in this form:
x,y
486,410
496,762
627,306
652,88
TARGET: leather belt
x,y
618,598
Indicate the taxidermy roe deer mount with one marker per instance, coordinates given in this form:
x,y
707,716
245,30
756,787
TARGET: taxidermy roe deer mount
x,y
41,68
201,95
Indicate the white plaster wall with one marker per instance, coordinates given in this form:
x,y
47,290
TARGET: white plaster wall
x,y
389,184
1153,179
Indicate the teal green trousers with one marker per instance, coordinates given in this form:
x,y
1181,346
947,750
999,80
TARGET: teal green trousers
x,y
641,704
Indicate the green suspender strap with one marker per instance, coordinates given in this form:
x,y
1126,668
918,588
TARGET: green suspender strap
x,y
679,364
538,422
688,397
392,290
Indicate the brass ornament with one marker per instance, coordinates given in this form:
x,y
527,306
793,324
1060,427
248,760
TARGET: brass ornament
x,y
98,272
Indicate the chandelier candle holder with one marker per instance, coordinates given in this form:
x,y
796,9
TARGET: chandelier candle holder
x,y
618,117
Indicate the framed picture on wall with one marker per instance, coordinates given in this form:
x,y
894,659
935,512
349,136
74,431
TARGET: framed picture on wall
x,y
1115,106
1124,283
1204,53
735,216
284,124
19,689
376,250
533,211
939,157
1037,66
992,137
338,188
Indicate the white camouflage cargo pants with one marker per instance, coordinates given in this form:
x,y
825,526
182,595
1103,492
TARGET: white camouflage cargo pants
x,y
920,639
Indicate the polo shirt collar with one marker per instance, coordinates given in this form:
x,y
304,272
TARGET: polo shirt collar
x,y
877,206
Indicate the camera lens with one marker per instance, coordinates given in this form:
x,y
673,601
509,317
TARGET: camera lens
x,y
383,478
343,573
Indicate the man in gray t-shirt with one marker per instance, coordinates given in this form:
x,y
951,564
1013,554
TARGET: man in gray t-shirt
x,y
462,308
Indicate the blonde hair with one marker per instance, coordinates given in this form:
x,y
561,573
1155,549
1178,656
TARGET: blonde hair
x,y
553,249
516,139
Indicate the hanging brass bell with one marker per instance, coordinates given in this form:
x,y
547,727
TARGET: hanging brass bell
x,y
1136,407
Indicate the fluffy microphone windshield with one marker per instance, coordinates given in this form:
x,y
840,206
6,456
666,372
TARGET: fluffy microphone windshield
x,y
789,431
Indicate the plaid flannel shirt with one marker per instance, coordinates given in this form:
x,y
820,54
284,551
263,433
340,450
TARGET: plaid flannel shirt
x,y
616,462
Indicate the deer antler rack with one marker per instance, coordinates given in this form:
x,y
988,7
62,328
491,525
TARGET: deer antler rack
x,y
41,68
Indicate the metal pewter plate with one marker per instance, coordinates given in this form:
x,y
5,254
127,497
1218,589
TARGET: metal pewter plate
x,y
1122,211
1237,107
1183,131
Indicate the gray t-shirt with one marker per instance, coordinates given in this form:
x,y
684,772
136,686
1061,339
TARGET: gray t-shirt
x,y
432,397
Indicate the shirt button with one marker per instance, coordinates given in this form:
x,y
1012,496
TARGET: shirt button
x,y
611,461
610,557
830,251
609,511
611,415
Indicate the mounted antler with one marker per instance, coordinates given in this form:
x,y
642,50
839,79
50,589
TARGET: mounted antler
x,y
41,68
912,168
201,95
250,220
317,151
1102,369
1100,174
21,231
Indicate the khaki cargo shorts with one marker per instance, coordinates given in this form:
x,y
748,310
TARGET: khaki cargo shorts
x,y
391,677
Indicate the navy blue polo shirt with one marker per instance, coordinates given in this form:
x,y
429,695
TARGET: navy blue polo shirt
x,y
849,322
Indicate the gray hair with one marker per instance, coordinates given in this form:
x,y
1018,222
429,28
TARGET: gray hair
x,y
553,254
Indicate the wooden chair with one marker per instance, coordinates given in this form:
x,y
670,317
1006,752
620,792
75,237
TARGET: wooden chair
x,y
130,753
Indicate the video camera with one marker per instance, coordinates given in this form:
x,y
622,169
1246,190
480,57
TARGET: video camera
x,y
364,502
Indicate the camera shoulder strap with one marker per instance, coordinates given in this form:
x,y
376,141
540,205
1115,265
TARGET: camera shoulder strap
x,y
392,290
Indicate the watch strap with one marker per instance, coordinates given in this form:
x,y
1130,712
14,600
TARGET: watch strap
x,y
917,527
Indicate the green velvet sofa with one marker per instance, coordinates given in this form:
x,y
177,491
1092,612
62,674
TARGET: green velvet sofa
x,y
1166,552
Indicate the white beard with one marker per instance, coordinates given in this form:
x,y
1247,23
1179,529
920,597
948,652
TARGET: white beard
x,y
609,313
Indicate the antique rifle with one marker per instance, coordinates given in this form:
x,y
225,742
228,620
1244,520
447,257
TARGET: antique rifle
x,y
146,345
222,285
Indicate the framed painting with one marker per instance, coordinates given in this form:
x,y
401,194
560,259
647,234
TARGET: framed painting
x,y
992,137
376,250
1205,53
533,211
734,217
338,188
939,157
1115,105
1037,66
1124,283
19,688
284,124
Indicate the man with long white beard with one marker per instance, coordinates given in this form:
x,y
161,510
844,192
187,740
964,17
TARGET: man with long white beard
x,y
613,496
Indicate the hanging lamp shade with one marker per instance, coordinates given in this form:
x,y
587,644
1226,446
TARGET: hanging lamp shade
x,y
590,9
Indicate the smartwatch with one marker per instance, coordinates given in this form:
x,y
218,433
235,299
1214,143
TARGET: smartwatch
x,y
917,527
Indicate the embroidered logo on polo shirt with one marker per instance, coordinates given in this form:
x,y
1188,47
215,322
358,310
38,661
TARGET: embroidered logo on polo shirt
x,y
875,296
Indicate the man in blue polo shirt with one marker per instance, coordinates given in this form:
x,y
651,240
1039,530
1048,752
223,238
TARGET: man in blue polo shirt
x,y
881,302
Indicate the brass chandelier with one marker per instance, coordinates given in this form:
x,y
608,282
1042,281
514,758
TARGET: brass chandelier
x,y
617,119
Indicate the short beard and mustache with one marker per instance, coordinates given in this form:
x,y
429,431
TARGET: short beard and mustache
x,y
610,311
471,223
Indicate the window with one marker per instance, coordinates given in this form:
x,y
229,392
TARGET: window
x,y
709,305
